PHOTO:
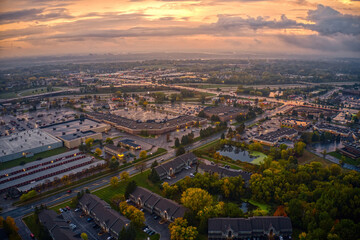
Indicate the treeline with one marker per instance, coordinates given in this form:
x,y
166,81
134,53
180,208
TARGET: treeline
x,y
210,130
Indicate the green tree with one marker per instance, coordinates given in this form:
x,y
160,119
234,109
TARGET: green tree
x,y
130,187
180,151
124,176
177,142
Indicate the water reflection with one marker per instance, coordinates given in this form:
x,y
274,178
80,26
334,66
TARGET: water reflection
x,y
236,153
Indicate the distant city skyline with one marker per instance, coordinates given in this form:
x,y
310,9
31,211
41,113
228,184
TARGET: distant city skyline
x,y
300,27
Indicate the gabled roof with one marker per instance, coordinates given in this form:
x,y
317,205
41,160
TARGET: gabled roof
x,y
56,225
225,172
154,200
176,162
250,225
104,212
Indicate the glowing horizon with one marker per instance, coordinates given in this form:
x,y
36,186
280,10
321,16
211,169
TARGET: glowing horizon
x,y
49,27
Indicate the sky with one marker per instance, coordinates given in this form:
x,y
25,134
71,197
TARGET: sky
x,y
76,27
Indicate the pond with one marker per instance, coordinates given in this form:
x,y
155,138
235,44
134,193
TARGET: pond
x,y
247,207
330,146
242,155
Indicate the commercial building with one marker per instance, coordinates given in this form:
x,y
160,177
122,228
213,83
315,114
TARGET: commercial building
x,y
118,152
351,150
26,144
74,132
128,143
272,138
225,113
163,207
150,127
223,172
171,168
296,123
323,127
57,226
106,217
36,173
249,228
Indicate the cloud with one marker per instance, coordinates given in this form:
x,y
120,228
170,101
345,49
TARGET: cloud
x,y
336,43
34,14
19,15
328,21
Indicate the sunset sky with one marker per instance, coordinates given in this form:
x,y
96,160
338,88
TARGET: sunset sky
x,y
49,27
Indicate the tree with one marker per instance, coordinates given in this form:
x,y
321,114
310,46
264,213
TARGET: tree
x,y
89,142
28,195
143,154
222,136
324,153
130,187
114,182
109,141
179,230
177,142
124,176
114,164
84,236
299,148
154,176
128,233
98,152
180,151
135,215
140,166
196,199
154,164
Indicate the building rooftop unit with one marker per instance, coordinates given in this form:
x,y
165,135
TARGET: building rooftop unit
x,y
224,110
76,135
276,135
75,126
132,124
26,141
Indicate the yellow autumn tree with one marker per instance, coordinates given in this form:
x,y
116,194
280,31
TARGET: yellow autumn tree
x,y
179,230
196,199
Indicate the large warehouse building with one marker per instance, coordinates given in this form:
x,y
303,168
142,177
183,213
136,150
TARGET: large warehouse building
x,y
75,132
26,144
36,173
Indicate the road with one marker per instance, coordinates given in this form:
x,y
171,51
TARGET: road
x,y
18,212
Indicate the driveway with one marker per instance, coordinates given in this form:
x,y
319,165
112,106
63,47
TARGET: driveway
x,y
181,175
162,229
83,226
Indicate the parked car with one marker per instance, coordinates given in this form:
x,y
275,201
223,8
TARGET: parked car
x,y
89,219
192,175
77,210
69,191
32,235
61,210
156,217
68,208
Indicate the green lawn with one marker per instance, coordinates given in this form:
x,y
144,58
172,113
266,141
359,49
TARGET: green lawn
x,y
309,157
260,157
8,95
347,159
24,160
141,179
36,91
262,206
30,223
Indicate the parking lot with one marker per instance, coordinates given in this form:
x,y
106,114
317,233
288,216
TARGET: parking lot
x,y
162,229
21,122
181,175
82,225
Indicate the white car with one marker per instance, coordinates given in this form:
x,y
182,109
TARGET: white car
x,y
61,210
192,175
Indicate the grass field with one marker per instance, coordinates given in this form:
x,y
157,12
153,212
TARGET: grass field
x,y
34,91
24,160
260,157
8,95
347,159
141,180
309,157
